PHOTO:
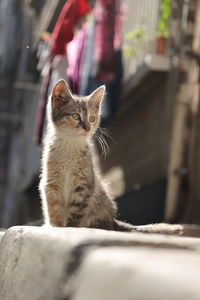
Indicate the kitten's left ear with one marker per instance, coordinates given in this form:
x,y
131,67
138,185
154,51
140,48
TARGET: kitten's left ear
x,y
61,93
61,88
97,96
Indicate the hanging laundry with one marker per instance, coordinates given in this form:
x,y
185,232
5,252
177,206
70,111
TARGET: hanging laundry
x,y
88,80
87,60
105,12
74,51
91,69
114,87
63,31
118,26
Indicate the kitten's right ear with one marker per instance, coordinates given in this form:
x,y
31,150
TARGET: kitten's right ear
x,y
97,96
60,94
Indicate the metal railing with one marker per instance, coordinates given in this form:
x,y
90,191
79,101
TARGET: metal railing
x,y
139,31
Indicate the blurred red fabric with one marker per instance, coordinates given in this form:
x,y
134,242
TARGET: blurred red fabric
x,y
63,32
105,16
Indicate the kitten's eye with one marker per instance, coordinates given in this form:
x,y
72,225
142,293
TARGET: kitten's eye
x,y
92,118
76,116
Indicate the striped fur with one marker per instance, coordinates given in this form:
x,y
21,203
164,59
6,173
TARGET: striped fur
x,y
72,191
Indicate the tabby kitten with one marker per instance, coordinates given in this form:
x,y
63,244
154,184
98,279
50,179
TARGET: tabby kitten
x,y
72,191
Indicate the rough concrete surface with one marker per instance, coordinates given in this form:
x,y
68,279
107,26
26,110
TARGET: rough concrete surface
x,y
1,235
38,263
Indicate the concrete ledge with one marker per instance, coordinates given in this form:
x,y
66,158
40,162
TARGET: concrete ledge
x,y
1,235
156,62
79,264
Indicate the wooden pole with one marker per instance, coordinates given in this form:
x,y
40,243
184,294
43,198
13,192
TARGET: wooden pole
x,y
178,129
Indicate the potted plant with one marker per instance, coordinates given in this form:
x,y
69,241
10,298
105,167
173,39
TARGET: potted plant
x,y
163,26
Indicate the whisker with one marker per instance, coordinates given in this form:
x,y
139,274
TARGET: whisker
x,y
101,146
104,145
107,133
104,153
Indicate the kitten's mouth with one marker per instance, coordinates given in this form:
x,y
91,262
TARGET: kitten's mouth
x,y
85,131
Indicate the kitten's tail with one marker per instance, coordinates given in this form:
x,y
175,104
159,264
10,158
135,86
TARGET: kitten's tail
x,y
122,226
161,228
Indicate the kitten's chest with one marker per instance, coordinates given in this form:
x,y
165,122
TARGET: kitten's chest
x,y
69,164
67,179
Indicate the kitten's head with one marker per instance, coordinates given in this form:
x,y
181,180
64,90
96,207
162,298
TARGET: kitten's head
x,y
73,115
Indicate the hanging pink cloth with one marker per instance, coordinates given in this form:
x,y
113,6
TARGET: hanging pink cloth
x,y
74,55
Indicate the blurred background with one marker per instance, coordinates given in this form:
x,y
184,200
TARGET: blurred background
x,y
148,55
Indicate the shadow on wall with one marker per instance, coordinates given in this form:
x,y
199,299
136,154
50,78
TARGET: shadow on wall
x,y
141,130
143,206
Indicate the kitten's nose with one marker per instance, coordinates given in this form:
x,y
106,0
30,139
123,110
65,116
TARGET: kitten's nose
x,y
86,127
